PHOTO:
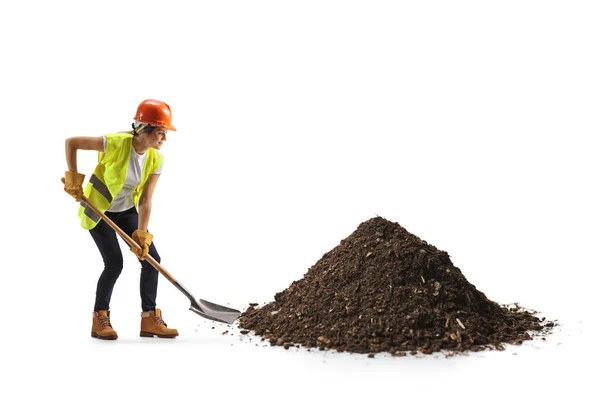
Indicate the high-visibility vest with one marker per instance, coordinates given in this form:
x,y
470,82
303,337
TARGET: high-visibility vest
x,y
109,176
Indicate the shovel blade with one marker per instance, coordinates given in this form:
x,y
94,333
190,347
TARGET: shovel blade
x,y
214,311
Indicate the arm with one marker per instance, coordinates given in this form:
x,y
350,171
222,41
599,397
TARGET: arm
x,y
73,180
145,203
75,143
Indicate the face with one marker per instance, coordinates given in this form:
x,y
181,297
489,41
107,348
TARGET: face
x,y
156,138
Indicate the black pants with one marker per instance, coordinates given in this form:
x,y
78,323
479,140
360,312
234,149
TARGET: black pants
x,y
106,240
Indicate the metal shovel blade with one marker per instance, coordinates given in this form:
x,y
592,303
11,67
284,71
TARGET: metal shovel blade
x,y
214,311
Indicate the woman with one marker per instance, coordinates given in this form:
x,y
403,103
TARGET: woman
x,y
129,165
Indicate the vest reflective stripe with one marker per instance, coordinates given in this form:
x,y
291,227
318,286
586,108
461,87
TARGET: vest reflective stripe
x,y
101,188
110,175
89,212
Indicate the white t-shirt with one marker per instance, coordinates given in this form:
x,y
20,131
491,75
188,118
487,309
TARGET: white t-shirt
x,y
124,199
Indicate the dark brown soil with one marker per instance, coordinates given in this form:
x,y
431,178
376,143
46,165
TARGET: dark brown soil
x,y
383,289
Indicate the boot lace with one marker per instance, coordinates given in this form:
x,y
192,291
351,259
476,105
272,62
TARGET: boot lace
x,y
159,321
104,322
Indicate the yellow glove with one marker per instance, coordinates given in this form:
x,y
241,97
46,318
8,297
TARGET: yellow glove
x,y
73,184
144,239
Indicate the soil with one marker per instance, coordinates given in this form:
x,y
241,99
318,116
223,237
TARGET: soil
x,y
383,289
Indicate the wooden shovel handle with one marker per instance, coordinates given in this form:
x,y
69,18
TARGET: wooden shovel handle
x,y
128,239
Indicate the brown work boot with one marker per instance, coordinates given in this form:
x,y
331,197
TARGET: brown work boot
x,y
153,325
101,327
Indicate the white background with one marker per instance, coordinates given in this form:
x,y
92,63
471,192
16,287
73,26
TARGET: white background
x,y
470,123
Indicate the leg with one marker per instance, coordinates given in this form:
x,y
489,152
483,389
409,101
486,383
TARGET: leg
x,y
106,240
149,281
149,275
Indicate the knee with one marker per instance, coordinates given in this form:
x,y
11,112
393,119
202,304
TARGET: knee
x,y
114,271
154,253
114,262
146,264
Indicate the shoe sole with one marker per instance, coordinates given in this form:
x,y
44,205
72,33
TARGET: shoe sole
x,y
150,334
95,335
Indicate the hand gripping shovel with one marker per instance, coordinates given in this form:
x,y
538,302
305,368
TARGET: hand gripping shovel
x,y
201,307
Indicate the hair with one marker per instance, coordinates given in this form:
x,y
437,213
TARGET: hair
x,y
140,128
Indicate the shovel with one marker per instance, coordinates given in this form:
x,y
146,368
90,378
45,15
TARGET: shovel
x,y
201,307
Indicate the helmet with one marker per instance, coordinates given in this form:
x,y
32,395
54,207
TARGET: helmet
x,y
154,112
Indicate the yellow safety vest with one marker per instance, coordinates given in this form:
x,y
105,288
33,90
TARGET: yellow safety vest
x,y
110,174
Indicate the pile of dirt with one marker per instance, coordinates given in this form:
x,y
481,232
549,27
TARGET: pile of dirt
x,y
383,289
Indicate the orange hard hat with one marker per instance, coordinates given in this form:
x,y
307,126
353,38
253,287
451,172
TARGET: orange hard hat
x,y
154,112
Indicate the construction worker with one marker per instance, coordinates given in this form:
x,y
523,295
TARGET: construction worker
x,y
129,165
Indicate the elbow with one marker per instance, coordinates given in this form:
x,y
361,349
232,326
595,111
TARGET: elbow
x,y
145,203
70,145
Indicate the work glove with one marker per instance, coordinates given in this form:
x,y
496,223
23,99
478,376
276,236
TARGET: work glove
x,y
73,184
144,239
